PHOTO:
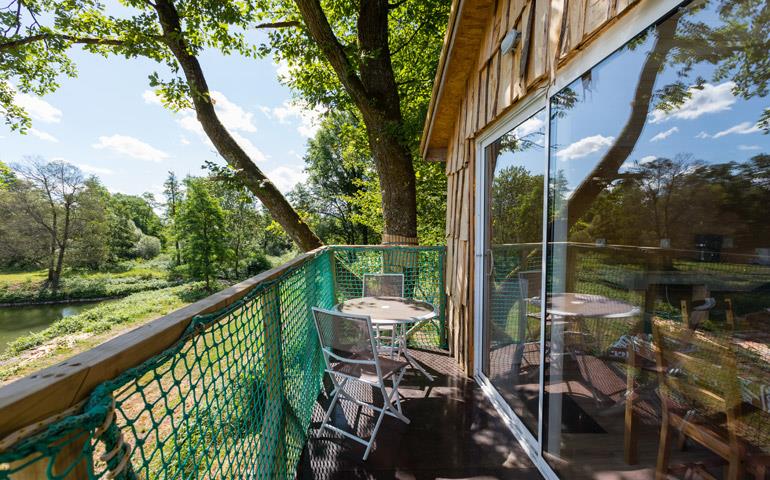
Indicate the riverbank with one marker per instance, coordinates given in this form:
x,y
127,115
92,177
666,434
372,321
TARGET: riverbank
x,y
77,333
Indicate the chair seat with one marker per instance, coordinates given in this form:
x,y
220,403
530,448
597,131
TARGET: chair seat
x,y
367,372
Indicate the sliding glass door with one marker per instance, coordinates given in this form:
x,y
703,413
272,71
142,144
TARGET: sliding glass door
x,y
643,350
514,178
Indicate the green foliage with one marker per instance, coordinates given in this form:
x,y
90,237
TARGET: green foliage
x,y
258,264
338,169
147,247
139,210
416,31
6,176
202,225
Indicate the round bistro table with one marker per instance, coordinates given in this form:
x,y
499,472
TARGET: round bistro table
x,y
396,312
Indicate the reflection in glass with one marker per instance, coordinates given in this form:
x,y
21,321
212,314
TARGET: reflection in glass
x,y
658,299
515,168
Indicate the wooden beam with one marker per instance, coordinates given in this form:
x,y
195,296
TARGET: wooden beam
x,y
436,155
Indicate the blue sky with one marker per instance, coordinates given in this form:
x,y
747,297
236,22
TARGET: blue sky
x,y
108,122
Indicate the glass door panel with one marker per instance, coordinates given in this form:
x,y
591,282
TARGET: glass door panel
x,y
658,297
515,168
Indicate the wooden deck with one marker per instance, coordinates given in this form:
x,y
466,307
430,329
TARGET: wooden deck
x,y
455,433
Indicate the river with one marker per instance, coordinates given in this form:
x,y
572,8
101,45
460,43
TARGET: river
x,y
22,320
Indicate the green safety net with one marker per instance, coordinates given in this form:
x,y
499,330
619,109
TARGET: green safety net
x,y
233,397
423,271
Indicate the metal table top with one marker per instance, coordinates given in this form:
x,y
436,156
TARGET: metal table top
x,y
389,309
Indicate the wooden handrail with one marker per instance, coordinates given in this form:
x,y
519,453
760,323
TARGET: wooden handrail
x,y
54,389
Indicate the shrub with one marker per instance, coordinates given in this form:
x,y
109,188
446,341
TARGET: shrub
x,y
258,264
146,247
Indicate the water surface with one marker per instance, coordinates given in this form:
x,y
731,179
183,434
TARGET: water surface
x,y
22,320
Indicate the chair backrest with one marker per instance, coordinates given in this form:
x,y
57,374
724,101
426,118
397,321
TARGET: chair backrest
x,y
529,283
696,368
345,337
383,285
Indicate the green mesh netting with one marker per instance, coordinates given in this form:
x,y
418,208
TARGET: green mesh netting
x,y
423,270
233,397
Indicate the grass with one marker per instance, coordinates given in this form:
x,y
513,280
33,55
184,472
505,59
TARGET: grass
x,y
71,335
123,279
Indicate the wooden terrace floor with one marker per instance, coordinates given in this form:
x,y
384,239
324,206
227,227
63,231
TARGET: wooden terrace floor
x,y
455,433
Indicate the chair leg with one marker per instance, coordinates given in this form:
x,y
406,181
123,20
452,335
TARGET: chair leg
x,y
374,434
336,394
661,469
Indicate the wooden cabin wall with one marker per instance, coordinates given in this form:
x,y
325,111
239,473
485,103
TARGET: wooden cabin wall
x,y
552,32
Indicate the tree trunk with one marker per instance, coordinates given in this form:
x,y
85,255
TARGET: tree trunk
x,y
375,94
280,209
62,247
53,281
607,169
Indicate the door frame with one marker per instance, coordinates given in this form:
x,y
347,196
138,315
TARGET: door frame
x,y
527,108
626,27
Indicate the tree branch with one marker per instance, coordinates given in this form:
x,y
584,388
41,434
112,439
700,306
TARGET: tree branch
x,y
319,28
67,38
284,24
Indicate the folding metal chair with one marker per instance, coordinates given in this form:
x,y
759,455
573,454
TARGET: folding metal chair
x,y
384,285
350,353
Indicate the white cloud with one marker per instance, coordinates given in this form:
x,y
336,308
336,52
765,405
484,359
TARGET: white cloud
x,y
43,135
251,150
309,118
37,108
183,140
702,135
94,170
742,128
749,147
285,178
151,97
664,135
647,159
529,127
585,146
130,147
191,124
708,99
232,115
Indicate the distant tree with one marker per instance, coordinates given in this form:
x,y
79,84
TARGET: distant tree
x,y
172,190
242,221
90,246
123,235
146,247
337,169
140,210
202,226
50,197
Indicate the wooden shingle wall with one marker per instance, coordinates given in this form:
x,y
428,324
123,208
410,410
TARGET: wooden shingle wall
x,y
552,32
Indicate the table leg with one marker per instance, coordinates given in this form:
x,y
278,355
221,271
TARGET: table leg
x,y
405,352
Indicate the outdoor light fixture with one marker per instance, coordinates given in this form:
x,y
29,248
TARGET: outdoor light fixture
x,y
510,41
